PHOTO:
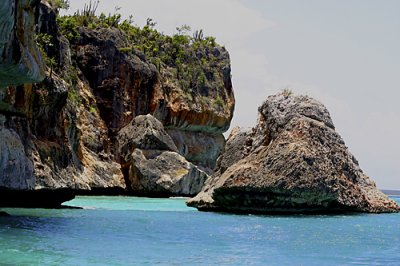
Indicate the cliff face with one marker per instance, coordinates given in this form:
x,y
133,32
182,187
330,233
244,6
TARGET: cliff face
x,y
61,136
127,84
292,161
20,60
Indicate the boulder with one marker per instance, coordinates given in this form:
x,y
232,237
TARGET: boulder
x,y
200,148
143,132
151,162
293,161
164,173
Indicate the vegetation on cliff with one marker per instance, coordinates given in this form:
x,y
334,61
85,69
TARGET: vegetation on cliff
x,y
186,62
103,72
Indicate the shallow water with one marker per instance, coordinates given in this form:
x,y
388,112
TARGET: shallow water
x,y
142,231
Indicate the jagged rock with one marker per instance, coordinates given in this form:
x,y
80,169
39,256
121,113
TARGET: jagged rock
x,y
58,46
292,161
20,60
200,148
164,173
71,143
127,85
143,132
150,160
16,169
65,129
123,84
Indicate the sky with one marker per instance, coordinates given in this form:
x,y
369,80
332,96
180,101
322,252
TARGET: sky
x,y
345,53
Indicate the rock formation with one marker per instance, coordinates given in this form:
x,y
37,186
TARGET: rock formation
x,y
20,60
77,131
152,162
292,161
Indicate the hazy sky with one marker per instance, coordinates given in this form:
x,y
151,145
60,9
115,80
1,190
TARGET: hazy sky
x,y
345,53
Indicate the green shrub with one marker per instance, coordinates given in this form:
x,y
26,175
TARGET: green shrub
x,y
188,57
219,102
287,92
59,4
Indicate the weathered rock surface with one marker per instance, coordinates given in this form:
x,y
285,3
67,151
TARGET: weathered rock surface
x,y
153,167
53,142
128,84
292,161
20,60
143,132
200,148
164,173
80,130
123,84
15,167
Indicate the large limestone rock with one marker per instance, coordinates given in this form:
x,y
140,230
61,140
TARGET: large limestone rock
x,y
200,148
73,131
53,141
143,132
20,60
292,161
127,84
151,162
164,173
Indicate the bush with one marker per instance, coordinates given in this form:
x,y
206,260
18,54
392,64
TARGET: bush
x,y
188,57
59,4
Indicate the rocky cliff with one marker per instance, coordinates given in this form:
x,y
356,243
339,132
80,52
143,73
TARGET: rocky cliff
x,y
77,130
20,60
292,161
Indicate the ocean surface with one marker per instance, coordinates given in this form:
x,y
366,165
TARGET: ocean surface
x,y
142,231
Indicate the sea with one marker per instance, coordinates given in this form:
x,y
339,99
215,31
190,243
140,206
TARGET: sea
x,y
149,231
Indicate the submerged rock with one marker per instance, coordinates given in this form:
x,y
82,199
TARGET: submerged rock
x,y
292,161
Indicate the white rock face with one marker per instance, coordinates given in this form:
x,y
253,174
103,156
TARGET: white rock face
x,y
16,169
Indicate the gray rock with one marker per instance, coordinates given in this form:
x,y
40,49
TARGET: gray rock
x,y
200,148
150,157
20,60
16,169
164,173
292,161
143,132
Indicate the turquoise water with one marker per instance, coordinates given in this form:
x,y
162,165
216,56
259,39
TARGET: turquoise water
x,y
141,231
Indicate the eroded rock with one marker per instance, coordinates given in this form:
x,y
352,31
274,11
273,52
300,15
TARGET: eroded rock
x,y
143,132
151,162
20,60
164,173
200,148
292,161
